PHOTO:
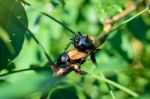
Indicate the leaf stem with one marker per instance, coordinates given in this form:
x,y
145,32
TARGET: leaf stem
x,y
132,93
49,16
62,24
22,70
130,19
108,86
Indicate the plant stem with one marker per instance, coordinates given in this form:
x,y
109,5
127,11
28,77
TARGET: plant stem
x,y
50,17
108,23
132,93
108,86
22,70
130,19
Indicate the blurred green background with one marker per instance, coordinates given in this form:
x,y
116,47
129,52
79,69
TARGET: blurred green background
x,y
124,58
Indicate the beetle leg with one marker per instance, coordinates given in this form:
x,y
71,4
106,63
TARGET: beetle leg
x,y
81,72
93,58
74,38
79,34
64,71
78,70
71,42
83,59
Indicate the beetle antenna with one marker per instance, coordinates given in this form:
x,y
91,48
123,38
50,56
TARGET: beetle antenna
x,y
79,34
62,24
49,16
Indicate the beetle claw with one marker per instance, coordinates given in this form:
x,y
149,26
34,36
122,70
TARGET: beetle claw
x,y
78,70
82,72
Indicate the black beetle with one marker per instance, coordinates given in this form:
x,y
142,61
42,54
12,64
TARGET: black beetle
x,y
85,43
71,60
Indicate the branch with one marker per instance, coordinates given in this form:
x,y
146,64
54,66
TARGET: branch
x,y
109,22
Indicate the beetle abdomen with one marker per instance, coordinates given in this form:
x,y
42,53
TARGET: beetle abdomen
x,y
63,60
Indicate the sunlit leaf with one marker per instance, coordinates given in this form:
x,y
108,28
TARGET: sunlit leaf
x,y
11,13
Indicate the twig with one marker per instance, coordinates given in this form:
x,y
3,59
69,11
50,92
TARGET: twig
x,y
130,19
109,22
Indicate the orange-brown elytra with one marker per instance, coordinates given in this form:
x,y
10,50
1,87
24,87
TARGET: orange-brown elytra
x,y
70,61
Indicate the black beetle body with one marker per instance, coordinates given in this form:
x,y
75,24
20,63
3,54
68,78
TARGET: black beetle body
x,y
63,60
82,43
71,57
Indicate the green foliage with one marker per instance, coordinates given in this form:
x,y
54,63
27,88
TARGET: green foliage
x,y
12,34
64,93
124,57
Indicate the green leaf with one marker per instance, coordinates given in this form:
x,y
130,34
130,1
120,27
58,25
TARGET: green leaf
x,y
117,43
12,13
57,2
64,93
140,32
22,88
